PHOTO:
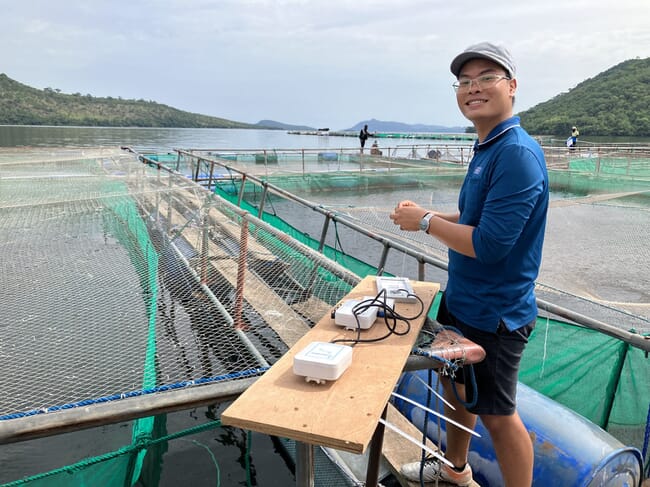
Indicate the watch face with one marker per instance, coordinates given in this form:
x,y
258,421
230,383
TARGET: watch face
x,y
424,223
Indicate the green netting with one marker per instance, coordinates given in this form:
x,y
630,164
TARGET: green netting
x,y
122,467
115,469
612,165
600,377
107,470
565,362
135,237
596,361
354,265
631,404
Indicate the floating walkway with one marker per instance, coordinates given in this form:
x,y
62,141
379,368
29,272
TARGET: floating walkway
x,y
390,135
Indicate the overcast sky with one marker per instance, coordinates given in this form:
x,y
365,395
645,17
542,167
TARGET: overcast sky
x,y
329,63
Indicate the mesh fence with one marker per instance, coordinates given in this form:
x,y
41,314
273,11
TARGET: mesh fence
x,y
596,263
115,270
596,258
121,281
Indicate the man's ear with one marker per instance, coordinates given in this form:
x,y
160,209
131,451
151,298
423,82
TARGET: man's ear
x,y
513,86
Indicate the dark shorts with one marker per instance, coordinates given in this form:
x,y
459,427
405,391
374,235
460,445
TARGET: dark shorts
x,y
497,375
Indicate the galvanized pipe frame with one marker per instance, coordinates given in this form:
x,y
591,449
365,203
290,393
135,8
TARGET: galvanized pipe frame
x,y
634,339
323,261
84,417
75,419
462,149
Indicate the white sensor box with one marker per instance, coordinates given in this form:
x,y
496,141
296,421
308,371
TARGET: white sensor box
x,y
346,316
322,361
397,288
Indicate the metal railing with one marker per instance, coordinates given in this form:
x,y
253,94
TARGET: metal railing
x,y
419,154
388,244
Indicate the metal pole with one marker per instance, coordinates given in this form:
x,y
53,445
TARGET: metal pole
x,y
241,274
323,233
205,245
304,464
260,212
421,268
50,424
374,455
211,175
240,196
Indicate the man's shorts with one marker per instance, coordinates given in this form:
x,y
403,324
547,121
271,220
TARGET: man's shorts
x,y
497,375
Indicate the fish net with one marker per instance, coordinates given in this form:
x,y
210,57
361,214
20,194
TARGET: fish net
x,y
125,282
596,262
122,284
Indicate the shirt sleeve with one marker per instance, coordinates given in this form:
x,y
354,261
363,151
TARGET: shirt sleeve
x,y
515,185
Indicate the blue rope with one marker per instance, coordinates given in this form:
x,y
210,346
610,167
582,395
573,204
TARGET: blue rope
x,y
427,353
142,392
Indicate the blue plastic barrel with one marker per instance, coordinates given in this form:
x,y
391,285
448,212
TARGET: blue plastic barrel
x,y
328,157
570,451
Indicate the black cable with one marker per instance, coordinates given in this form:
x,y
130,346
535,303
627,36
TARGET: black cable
x,y
391,318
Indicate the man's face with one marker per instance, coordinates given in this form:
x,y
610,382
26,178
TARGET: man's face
x,y
485,104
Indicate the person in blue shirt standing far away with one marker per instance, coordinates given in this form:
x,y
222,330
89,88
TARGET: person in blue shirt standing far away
x,y
574,137
495,249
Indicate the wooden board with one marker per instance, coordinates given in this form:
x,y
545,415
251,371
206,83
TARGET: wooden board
x,y
342,414
274,310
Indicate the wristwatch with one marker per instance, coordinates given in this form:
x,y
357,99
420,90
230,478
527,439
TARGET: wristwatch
x,y
424,223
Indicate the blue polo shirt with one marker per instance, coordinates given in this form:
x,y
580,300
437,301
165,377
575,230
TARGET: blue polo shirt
x,y
505,197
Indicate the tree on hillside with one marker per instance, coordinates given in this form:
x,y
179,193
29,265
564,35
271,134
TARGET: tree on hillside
x,y
614,102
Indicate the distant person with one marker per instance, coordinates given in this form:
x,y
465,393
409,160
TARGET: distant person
x,y
374,150
495,249
363,136
574,137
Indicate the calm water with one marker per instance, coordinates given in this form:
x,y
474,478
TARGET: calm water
x,y
166,138
169,138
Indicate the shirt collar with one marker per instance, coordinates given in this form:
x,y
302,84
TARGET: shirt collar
x,y
497,131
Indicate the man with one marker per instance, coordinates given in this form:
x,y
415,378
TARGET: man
x,y
363,136
574,137
495,248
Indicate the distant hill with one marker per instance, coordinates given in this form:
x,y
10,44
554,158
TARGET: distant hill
x,y
382,126
272,124
615,102
23,105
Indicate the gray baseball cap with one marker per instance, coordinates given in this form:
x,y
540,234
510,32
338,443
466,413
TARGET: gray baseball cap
x,y
485,50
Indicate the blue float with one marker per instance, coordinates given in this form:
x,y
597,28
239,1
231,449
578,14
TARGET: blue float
x,y
570,451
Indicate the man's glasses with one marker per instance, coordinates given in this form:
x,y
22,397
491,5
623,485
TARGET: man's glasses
x,y
482,82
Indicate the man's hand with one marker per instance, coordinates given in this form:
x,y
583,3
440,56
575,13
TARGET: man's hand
x,y
407,215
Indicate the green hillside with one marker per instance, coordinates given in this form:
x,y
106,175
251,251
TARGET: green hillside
x,y
23,105
615,102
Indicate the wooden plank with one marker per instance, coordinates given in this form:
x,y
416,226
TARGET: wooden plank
x,y
342,414
276,313
229,227
313,309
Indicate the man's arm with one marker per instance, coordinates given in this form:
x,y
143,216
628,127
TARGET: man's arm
x,y
443,226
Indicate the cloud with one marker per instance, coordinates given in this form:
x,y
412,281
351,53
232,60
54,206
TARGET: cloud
x,y
307,61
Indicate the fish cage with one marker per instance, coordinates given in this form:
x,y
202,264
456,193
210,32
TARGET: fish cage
x,y
128,293
593,289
